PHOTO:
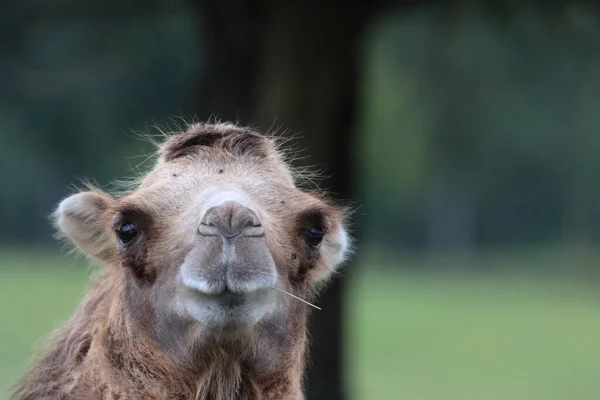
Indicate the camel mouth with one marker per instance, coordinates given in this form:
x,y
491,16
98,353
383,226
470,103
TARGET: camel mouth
x,y
226,307
225,299
228,282
230,299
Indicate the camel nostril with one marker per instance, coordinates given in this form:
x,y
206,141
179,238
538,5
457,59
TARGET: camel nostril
x,y
207,226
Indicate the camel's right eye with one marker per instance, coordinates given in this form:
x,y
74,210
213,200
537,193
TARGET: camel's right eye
x,y
314,236
127,232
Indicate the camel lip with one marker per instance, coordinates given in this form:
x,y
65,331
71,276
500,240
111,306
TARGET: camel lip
x,y
223,285
224,300
227,297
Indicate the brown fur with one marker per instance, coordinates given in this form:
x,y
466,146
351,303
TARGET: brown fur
x,y
125,341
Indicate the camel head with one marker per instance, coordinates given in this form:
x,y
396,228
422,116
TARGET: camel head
x,y
200,243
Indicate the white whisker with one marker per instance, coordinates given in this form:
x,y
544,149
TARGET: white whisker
x,y
161,321
296,297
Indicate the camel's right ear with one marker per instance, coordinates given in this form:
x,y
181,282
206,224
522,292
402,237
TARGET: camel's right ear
x,y
81,218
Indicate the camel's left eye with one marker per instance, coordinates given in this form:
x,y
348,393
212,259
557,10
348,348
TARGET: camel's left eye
x,y
314,236
127,232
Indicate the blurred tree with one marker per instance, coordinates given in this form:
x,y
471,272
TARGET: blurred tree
x,y
286,63
451,206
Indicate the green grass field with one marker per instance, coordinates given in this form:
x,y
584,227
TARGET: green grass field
x,y
412,337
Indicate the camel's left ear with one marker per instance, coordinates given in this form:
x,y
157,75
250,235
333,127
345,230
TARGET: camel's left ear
x,y
80,218
335,250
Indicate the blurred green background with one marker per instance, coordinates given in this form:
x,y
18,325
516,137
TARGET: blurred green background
x,y
475,160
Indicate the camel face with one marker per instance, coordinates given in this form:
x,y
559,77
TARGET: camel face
x,y
205,237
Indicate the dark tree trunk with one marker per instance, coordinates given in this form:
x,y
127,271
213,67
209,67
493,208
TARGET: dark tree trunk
x,y
288,64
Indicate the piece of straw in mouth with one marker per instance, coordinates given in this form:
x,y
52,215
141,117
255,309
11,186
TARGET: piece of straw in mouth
x,y
296,297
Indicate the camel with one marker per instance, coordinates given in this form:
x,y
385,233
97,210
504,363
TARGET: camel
x,y
198,259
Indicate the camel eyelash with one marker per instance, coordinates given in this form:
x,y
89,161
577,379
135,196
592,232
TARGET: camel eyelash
x,y
131,215
314,218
